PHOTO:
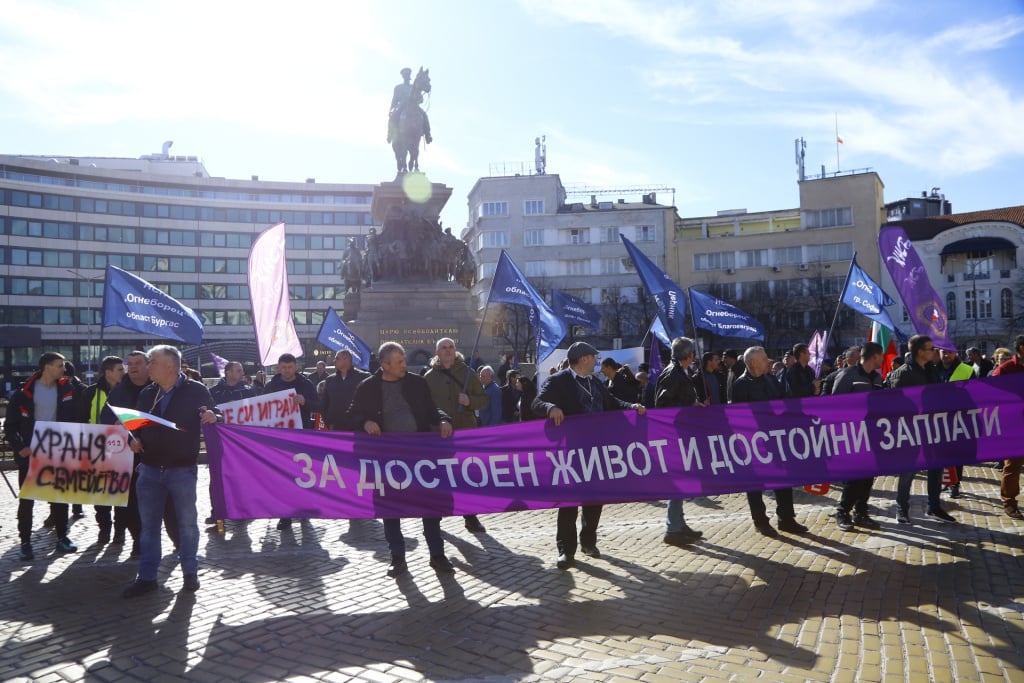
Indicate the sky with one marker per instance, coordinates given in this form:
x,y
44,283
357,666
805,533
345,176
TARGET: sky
x,y
706,98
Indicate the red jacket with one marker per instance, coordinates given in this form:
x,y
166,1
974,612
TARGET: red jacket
x,y
1015,364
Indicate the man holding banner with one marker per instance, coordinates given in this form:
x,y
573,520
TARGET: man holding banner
x,y
392,400
168,465
575,391
757,384
48,396
918,372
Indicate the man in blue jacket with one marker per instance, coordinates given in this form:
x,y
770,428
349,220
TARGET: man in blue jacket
x,y
168,465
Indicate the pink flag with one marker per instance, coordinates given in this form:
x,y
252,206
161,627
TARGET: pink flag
x,y
268,288
219,362
818,348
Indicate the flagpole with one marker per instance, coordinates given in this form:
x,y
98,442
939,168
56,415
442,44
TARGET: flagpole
x,y
837,142
480,327
840,303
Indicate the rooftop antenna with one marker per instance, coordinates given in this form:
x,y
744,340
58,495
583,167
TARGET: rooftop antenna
x,y
800,147
540,155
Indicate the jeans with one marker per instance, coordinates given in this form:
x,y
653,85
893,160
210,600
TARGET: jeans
x,y
934,490
675,521
154,487
431,532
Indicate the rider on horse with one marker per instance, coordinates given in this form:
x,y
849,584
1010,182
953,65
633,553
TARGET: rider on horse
x,y
400,100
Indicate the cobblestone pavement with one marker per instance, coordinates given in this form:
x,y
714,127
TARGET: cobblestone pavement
x,y
920,602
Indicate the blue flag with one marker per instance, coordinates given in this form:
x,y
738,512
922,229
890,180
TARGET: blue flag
x,y
134,304
335,335
574,310
721,318
510,286
667,294
863,295
659,333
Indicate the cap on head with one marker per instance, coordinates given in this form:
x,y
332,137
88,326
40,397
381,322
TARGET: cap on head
x,y
579,350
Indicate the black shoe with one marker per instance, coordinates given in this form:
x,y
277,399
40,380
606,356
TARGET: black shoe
x,y
473,524
76,511
210,521
49,523
766,529
64,545
1014,512
139,587
25,553
191,583
792,526
103,538
442,565
284,523
863,520
954,491
590,551
565,560
397,568
843,520
678,539
687,530
941,515
118,538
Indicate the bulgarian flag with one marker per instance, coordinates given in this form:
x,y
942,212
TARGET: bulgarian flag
x,y
882,335
136,419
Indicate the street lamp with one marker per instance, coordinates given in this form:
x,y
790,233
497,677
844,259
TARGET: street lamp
x,y
88,343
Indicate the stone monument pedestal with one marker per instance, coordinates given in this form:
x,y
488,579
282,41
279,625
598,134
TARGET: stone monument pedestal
x,y
416,315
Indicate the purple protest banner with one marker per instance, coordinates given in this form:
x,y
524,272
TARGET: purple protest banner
x,y
259,472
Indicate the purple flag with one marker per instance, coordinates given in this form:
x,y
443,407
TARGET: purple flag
x,y
818,347
613,457
655,362
219,362
924,305
268,289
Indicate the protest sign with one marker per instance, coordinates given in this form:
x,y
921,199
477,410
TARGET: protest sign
x,y
270,410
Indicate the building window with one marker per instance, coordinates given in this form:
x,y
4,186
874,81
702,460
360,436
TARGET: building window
x,y
1006,303
610,266
487,270
488,209
533,238
493,239
839,251
533,207
577,267
828,218
753,258
978,304
719,260
951,305
787,256
578,236
645,233
610,234
535,269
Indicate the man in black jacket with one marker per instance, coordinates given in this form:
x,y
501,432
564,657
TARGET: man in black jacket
x,y
575,391
758,384
862,377
339,389
48,396
394,400
800,375
918,372
232,386
168,465
675,389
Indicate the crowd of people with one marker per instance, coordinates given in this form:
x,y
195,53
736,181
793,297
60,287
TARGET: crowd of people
x,y
452,395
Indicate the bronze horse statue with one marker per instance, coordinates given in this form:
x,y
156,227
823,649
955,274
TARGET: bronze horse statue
x,y
412,125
